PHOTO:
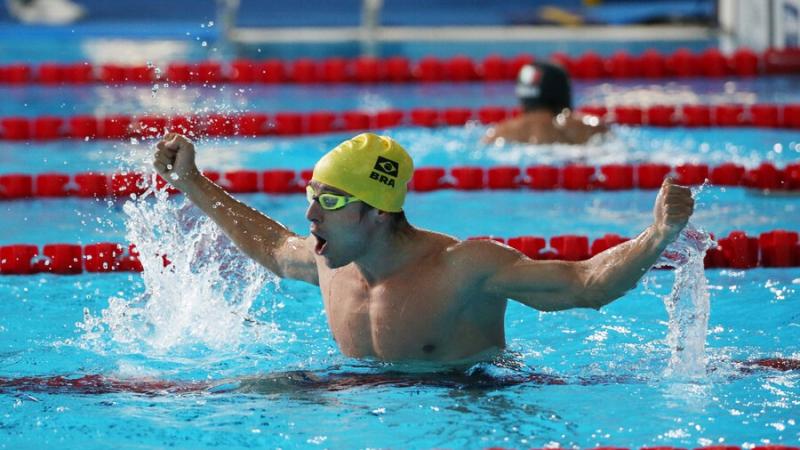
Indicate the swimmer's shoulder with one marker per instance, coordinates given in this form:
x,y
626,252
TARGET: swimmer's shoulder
x,y
577,128
304,244
455,249
477,256
434,242
507,129
448,249
298,258
588,122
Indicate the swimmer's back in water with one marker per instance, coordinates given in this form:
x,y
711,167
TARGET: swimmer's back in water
x,y
545,95
395,292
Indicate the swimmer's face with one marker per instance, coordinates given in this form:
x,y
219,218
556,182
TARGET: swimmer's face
x,y
341,236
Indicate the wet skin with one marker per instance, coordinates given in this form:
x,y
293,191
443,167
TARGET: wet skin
x,y
544,127
391,318
411,294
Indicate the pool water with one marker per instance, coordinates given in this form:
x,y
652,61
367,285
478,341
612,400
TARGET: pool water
x,y
214,351
611,362
172,98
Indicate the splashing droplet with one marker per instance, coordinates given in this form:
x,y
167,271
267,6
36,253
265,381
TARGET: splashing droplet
x,y
688,303
198,286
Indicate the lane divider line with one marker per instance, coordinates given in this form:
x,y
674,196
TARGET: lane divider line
x,y
572,177
256,124
777,248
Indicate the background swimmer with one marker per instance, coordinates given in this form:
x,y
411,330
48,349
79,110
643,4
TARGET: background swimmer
x,y
545,96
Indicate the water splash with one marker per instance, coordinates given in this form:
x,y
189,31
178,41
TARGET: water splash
x,y
156,75
688,304
198,286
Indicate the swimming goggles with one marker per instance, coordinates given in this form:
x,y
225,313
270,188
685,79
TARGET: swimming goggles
x,y
329,202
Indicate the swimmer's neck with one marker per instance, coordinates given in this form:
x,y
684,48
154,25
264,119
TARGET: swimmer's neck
x,y
387,253
539,113
544,115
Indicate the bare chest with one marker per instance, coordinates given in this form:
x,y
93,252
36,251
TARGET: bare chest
x,y
411,317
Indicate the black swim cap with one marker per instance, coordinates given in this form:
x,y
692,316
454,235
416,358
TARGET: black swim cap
x,y
544,85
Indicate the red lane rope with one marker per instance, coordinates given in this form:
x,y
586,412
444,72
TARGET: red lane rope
x,y
48,127
574,177
651,64
778,248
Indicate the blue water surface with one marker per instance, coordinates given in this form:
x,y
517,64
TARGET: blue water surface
x,y
260,369
168,99
611,362
615,357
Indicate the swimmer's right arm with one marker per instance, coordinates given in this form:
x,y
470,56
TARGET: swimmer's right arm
x,y
265,240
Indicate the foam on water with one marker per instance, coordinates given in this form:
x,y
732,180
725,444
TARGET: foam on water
x,y
198,286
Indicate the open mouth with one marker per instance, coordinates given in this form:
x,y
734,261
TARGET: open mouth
x,y
322,244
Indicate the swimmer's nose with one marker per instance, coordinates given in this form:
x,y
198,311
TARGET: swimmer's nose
x,y
314,212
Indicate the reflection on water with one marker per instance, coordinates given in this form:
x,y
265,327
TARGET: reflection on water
x,y
482,377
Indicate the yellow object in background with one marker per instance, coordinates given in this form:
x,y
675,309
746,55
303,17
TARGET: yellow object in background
x,y
559,16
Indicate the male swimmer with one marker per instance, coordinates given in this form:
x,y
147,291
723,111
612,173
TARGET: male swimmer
x,y
545,96
395,292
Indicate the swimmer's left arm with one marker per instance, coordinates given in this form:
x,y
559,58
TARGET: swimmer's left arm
x,y
558,285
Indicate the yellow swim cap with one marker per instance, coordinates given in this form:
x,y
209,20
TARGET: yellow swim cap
x,y
375,169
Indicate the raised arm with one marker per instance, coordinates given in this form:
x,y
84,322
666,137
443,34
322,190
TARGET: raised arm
x,y
557,285
260,237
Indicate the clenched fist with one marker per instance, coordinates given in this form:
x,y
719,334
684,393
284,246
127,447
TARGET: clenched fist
x,y
674,205
174,160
